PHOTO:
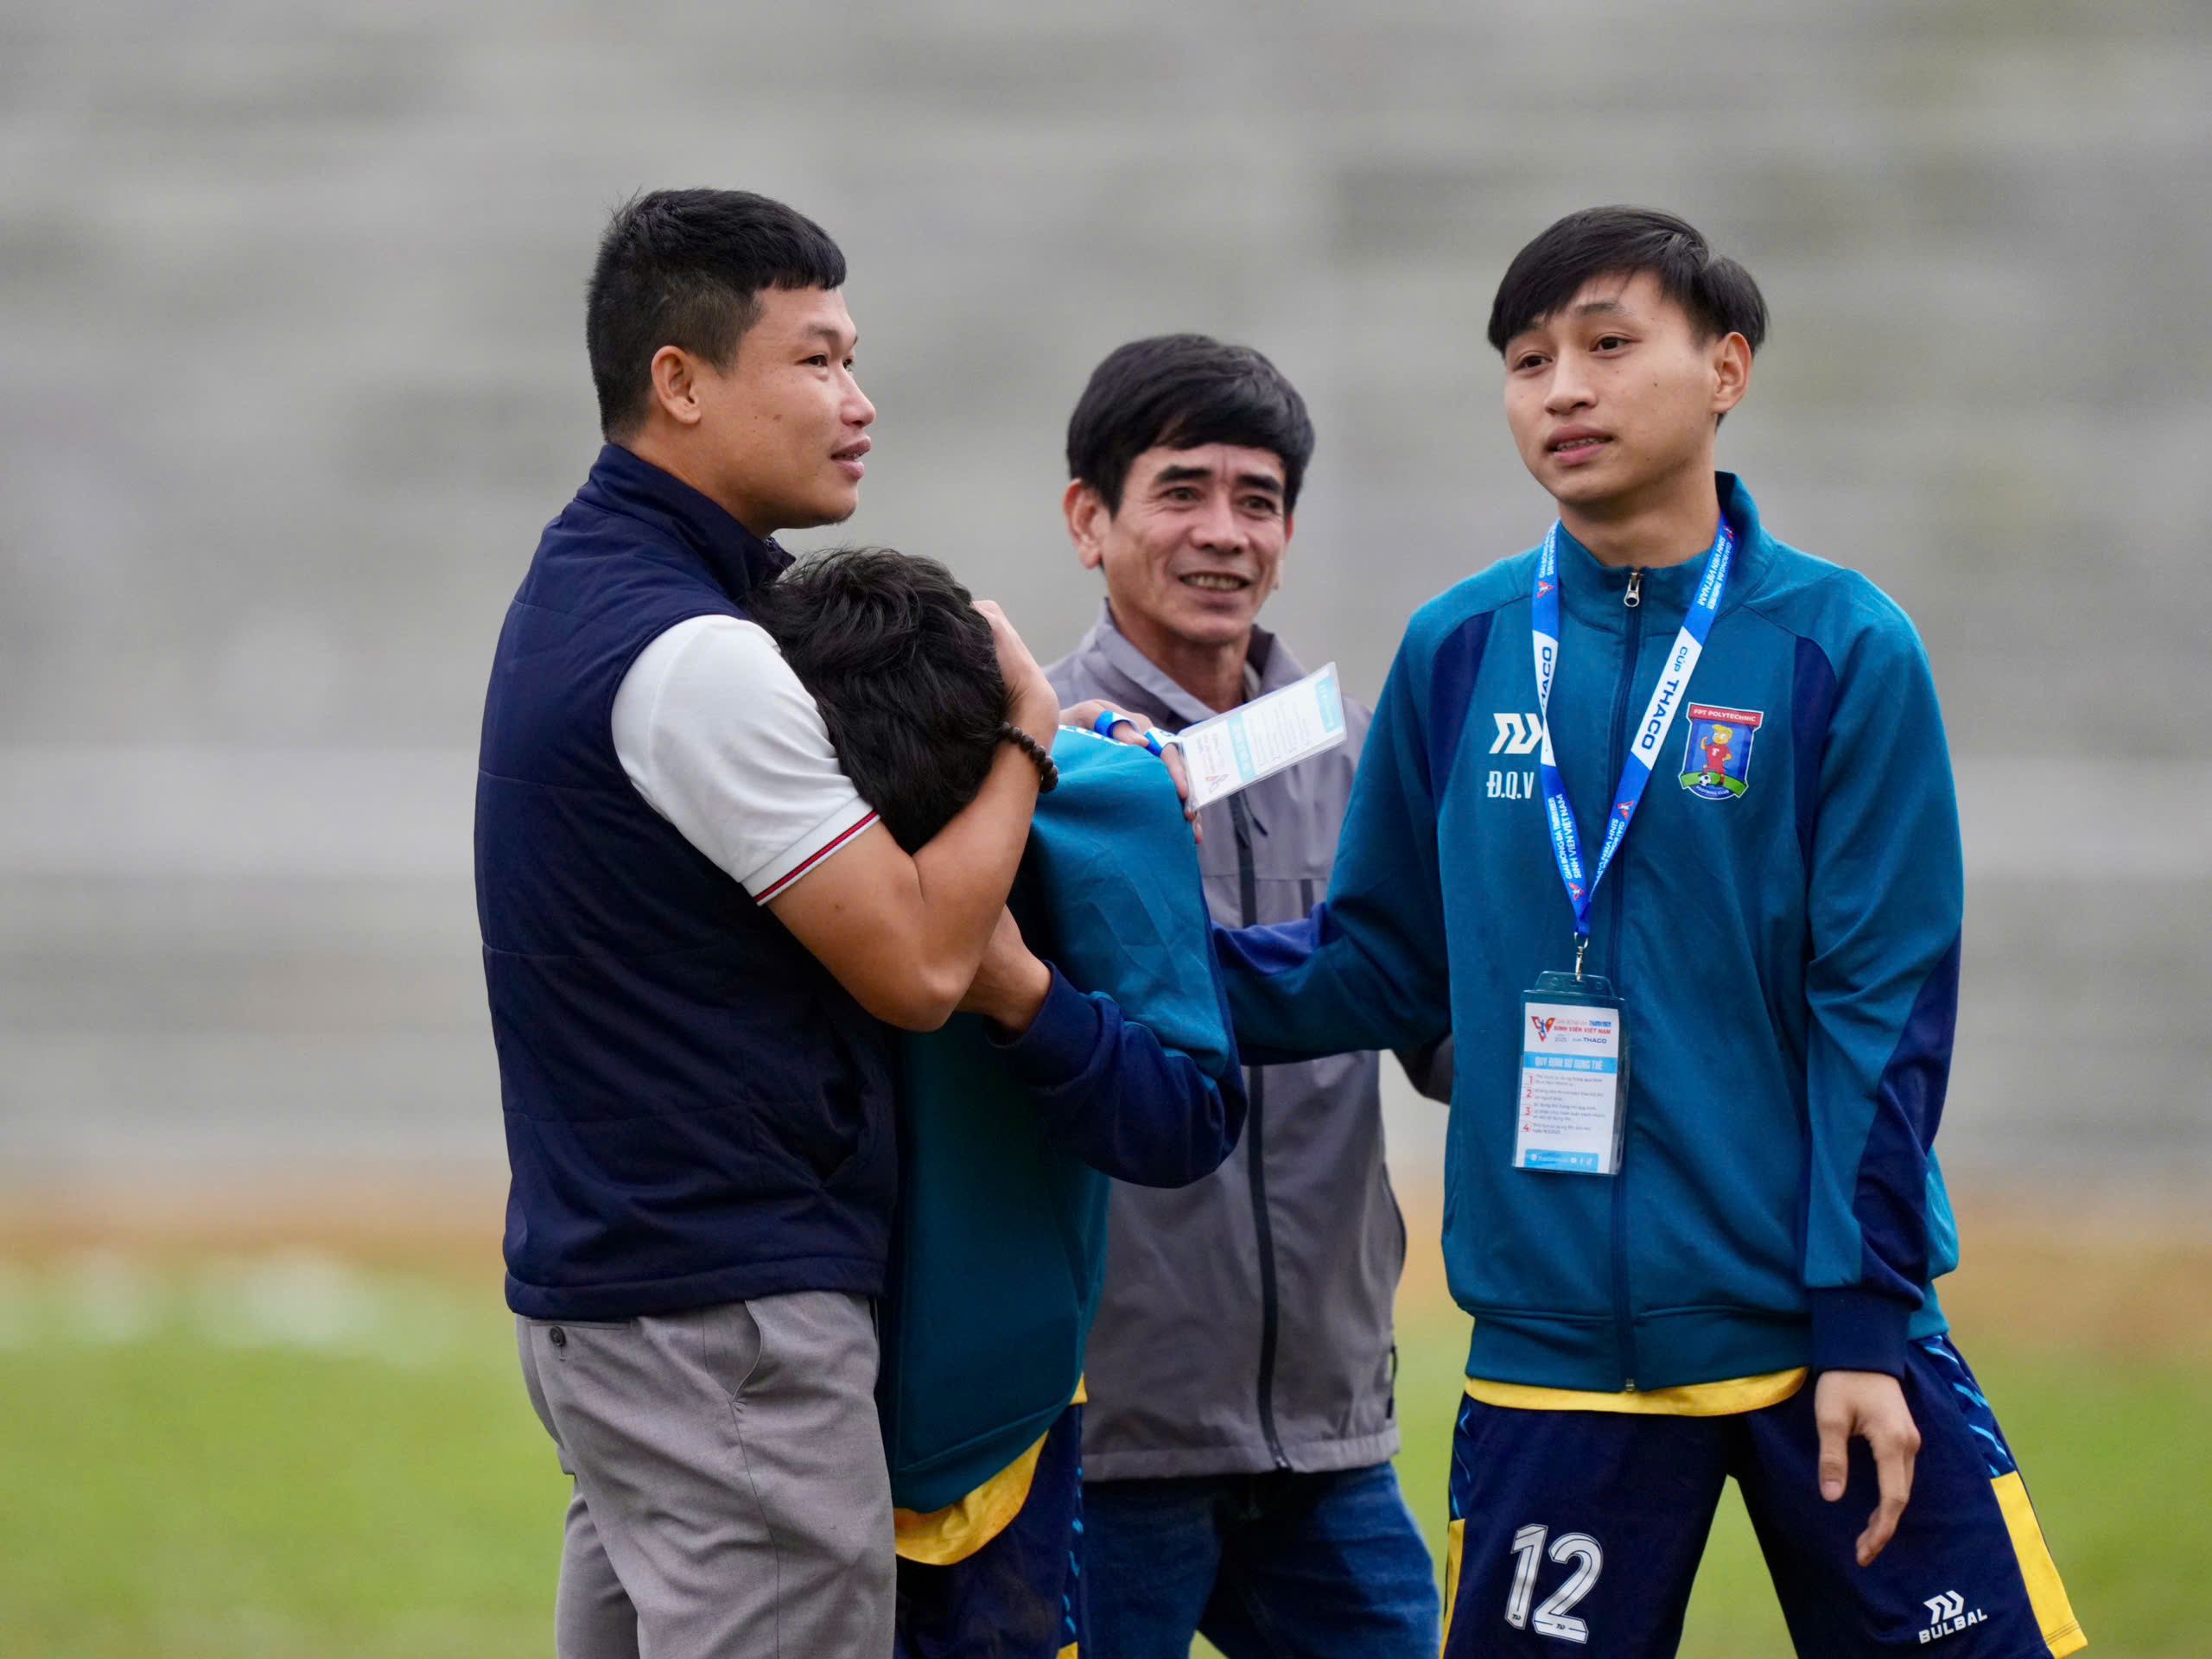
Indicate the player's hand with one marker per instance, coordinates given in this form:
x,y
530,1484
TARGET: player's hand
x,y
1867,1405
1010,984
1035,706
1127,730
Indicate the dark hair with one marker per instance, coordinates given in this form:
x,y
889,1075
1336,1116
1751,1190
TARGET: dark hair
x,y
1179,391
686,268
905,671
1718,294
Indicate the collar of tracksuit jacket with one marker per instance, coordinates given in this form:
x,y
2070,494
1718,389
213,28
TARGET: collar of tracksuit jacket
x,y
1594,594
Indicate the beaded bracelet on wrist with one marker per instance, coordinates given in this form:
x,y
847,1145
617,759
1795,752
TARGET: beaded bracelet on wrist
x,y
1048,771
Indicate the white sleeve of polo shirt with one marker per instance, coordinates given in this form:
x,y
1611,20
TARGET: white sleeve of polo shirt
x,y
721,738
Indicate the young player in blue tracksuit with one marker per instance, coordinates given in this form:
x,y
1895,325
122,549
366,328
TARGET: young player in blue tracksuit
x,y
1014,1116
1007,1141
1668,774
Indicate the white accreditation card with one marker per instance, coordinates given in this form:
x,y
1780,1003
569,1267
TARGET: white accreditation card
x,y
1262,737
1568,1115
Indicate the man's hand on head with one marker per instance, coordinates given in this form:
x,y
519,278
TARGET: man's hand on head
x,y
1867,1405
1127,730
1035,707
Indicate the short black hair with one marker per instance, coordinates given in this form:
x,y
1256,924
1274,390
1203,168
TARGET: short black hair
x,y
685,267
1180,391
1718,294
905,673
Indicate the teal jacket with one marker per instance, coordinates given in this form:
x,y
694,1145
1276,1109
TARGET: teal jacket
x,y
999,1251
1782,921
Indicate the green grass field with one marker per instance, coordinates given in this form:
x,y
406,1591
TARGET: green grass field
x,y
279,1454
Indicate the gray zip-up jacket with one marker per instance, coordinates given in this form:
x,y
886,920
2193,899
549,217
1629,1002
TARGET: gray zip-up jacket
x,y
1246,1320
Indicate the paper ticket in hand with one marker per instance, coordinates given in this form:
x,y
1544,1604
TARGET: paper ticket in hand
x,y
1261,738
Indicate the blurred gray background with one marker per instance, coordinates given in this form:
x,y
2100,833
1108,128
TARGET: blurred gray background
x,y
290,332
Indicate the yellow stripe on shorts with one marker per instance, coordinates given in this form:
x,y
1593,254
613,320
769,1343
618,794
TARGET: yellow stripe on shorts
x,y
2046,1595
1452,1578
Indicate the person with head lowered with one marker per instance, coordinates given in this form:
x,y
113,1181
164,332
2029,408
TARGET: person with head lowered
x,y
1241,1420
698,941
1658,818
1112,1058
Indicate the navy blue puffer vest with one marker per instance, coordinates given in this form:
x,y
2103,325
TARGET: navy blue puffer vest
x,y
696,1112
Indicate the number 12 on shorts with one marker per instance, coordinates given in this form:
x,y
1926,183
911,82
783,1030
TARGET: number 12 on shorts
x,y
1555,1617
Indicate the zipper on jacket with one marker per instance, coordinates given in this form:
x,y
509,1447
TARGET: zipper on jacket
x,y
1248,899
1624,1324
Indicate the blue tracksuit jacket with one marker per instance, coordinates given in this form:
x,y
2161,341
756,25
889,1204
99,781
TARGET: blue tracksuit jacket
x,y
1783,922
1000,1251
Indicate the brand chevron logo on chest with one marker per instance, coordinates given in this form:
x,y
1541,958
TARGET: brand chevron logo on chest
x,y
1519,733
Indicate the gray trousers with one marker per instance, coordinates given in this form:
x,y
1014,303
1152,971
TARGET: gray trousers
x,y
731,1498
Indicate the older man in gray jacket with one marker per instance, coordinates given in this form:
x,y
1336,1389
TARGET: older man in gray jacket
x,y
1241,1419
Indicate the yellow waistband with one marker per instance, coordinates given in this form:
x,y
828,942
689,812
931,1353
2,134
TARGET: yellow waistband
x,y
1723,1399
958,1530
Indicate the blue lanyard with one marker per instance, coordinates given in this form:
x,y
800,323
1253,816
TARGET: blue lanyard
x,y
1650,731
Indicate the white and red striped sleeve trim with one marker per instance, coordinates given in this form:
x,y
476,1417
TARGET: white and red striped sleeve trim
x,y
719,737
810,851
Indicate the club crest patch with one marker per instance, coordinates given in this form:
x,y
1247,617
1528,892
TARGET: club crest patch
x,y
1717,754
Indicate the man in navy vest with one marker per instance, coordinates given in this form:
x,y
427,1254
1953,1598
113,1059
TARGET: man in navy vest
x,y
696,940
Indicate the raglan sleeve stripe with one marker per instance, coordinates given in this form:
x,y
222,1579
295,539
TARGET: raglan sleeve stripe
x,y
1886,889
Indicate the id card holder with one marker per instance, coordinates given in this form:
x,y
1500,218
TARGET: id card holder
x,y
1572,1101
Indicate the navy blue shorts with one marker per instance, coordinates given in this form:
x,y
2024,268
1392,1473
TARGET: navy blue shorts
x,y
1582,1530
1021,1595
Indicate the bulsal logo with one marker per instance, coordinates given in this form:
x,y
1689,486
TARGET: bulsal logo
x,y
1947,1616
1517,734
